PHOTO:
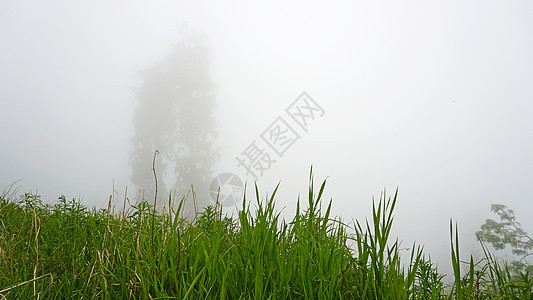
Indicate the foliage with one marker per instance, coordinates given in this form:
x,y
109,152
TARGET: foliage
x,y
507,232
175,115
68,251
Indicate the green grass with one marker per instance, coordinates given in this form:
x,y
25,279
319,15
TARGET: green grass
x,y
68,251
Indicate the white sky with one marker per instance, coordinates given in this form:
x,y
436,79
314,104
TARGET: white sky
x,y
435,99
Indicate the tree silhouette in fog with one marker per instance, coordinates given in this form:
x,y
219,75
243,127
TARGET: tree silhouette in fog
x,y
175,115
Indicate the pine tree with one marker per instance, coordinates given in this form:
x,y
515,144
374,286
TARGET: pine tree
x,y
175,115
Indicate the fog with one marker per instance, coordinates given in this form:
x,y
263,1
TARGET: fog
x,y
433,99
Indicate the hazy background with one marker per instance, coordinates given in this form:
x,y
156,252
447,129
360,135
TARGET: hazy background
x,y
435,99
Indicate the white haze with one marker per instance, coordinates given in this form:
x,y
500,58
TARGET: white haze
x,y
433,98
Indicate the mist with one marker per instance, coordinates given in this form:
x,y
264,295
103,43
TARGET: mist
x,y
432,99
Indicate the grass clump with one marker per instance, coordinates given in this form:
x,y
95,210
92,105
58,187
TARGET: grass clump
x,y
68,251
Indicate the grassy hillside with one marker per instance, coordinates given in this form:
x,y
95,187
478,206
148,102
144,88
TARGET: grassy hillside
x,y
68,251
